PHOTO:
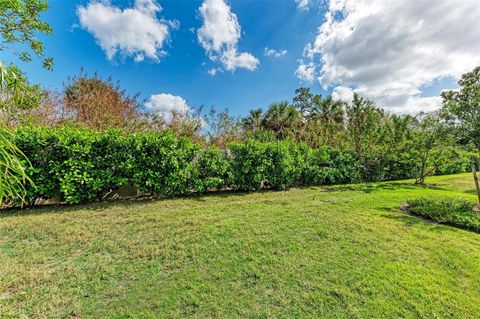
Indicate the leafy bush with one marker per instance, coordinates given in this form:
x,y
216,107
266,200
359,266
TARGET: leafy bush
x,y
447,211
161,164
73,165
450,160
326,165
248,165
210,170
282,170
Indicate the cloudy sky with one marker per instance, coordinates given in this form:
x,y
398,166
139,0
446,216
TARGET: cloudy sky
x,y
247,54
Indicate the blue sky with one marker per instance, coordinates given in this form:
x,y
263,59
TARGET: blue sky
x,y
380,51
183,71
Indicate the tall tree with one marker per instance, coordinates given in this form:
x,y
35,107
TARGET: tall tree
x,y
303,101
253,122
430,138
461,108
364,130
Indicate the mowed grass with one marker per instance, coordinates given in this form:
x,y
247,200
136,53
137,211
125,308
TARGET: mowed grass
x,y
341,252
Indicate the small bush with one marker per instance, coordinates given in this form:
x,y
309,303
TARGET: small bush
x,y
457,212
326,165
282,170
210,170
161,164
248,165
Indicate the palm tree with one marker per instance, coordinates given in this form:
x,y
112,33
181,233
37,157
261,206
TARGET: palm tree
x,y
282,119
330,111
253,121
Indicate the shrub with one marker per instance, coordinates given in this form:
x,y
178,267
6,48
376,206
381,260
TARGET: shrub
x,y
73,165
210,170
248,165
42,148
282,169
161,164
452,211
325,165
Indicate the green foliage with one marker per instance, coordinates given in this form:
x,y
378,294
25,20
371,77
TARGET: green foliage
x,y
79,165
12,173
280,165
462,108
210,170
16,92
20,21
452,211
282,119
329,166
161,164
282,169
74,165
248,165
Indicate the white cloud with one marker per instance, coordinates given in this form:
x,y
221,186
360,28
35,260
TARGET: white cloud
x,y
274,53
306,71
302,4
164,103
135,32
389,50
219,36
214,71
342,93
416,104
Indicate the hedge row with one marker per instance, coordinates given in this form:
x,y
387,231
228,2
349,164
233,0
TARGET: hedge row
x,y
79,165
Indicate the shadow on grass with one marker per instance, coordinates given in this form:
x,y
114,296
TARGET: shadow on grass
x,y
200,197
133,202
369,188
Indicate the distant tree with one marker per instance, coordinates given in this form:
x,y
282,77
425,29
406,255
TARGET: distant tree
x,y
99,103
461,108
364,129
363,122
253,121
186,124
330,111
222,128
430,139
303,101
282,119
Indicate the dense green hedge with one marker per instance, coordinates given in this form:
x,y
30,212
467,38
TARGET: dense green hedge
x,y
79,165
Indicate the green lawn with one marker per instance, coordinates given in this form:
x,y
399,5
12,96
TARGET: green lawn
x,y
342,252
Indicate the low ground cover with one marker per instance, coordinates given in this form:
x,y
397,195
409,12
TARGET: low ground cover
x,y
339,252
451,211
